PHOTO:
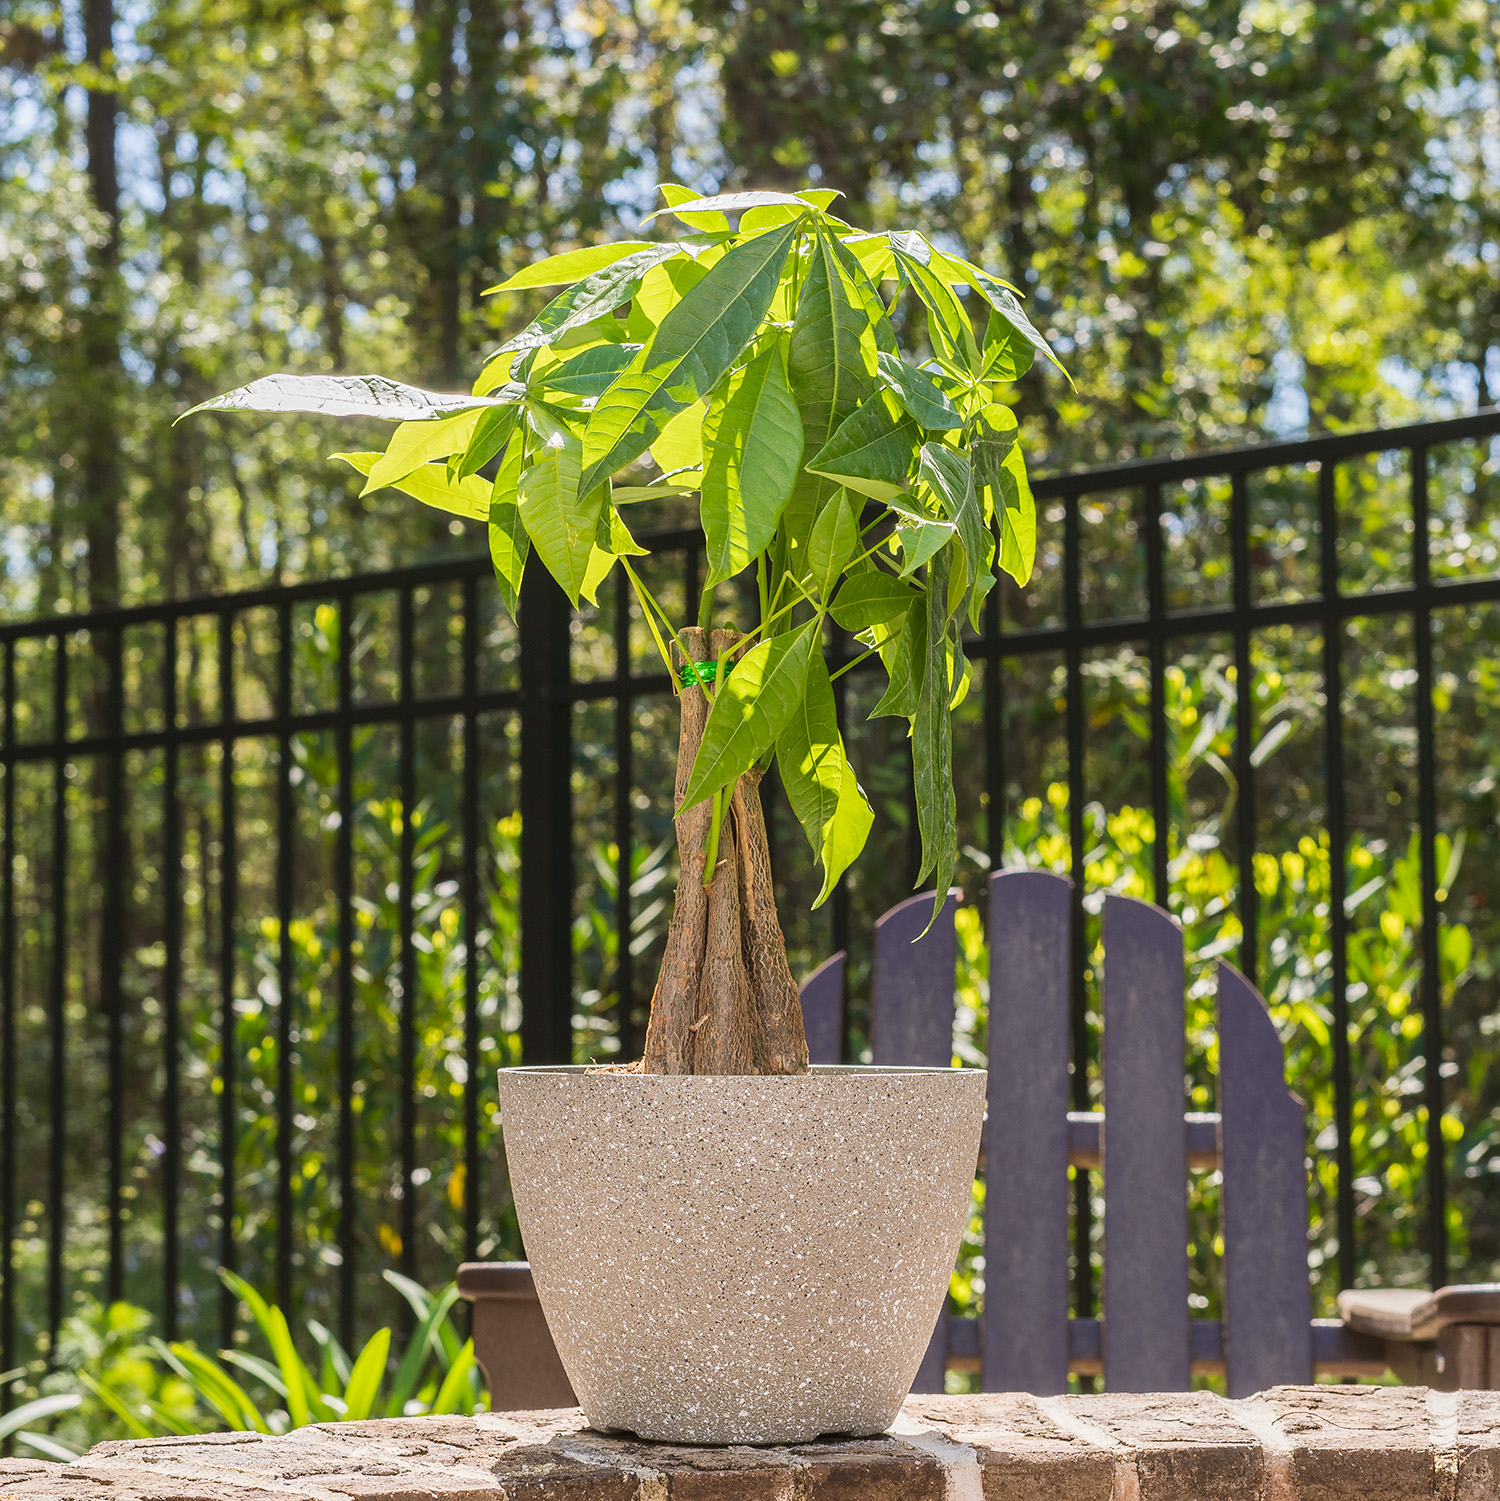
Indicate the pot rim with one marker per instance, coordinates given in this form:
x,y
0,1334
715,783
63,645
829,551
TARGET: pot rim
x,y
816,1070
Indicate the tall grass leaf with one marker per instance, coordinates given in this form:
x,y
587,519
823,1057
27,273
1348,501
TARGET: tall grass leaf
x,y
49,1447
262,1370
214,1386
116,1405
425,1338
364,1381
37,1410
456,1384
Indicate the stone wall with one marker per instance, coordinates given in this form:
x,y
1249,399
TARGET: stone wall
x,y
1320,1443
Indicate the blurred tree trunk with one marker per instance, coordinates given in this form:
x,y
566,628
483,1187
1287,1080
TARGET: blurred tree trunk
x,y
101,472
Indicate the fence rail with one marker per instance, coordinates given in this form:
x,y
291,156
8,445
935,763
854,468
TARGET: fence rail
x,y
131,734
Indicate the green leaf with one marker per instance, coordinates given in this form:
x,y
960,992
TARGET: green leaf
x,y
920,534
458,1382
924,400
905,660
679,445
365,1379
947,474
37,1410
820,783
431,1336
695,346
1017,512
112,1401
874,254
730,203
947,319
932,746
571,266
664,287
343,396
1007,310
879,337
828,370
430,484
509,543
831,543
587,375
491,433
559,519
415,443
711,221
753,441
594,297
750,710
304,1402
993,436
214,1385
873,451
633,495
870,599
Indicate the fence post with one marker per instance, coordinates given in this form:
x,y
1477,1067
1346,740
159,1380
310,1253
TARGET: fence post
x,y
546,822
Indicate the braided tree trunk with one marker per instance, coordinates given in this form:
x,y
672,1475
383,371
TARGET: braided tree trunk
x,y
725,1001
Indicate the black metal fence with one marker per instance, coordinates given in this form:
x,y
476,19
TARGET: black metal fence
x,y
259,859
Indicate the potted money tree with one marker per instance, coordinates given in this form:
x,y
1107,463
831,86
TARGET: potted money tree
x,y
729,1246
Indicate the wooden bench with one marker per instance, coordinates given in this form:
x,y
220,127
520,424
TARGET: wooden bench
x,y
1145,1143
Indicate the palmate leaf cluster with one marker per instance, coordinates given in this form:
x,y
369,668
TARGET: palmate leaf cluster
x,y
756,365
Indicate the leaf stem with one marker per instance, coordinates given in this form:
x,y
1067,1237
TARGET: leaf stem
x,y
648,604
711,849
864,656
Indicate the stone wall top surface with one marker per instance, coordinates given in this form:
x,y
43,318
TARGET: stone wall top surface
x,y
1322,1443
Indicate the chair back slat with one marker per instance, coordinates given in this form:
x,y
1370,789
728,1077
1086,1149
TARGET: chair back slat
x,y
911,1023
823,1010
1024,1346
1146,1318
1267,1306
911,1004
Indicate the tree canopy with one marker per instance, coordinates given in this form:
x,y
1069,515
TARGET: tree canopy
x,y
1233,217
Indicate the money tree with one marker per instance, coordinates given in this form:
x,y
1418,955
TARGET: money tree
x,y
755,362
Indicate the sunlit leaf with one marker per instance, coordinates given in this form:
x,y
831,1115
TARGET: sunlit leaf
x,y
874,451
509,543
559,519
750,710
569,267
932,747
820,783
593,297
924,400
430,484
690,352
868,599
343,396
753,438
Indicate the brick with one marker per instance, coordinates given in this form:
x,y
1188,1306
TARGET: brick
x,y
870,1470
1351,1443
1326,1443
1477,1446
1022,1453
1182,1446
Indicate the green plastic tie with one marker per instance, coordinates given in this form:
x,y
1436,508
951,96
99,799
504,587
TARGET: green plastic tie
x,y
701,673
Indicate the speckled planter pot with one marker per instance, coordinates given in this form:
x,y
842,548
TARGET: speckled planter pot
x,y
742,1260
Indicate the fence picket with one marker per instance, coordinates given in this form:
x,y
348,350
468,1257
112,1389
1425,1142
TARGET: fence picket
x,y
1146,1333
1025,1336
1262,1137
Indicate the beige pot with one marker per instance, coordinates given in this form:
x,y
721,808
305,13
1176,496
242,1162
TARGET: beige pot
x,y
742,1260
